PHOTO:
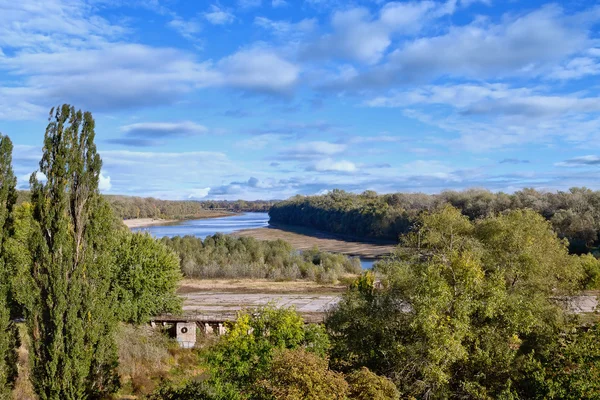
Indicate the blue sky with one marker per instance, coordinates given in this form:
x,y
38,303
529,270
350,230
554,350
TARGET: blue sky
x,y
266,99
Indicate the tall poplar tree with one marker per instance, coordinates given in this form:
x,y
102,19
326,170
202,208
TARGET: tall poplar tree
x,y
70,309
8,333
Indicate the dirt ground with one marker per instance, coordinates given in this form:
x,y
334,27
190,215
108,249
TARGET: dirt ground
x,y
305,238
256,286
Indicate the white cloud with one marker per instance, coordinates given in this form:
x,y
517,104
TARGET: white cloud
x,y
188,29
278,3
286,28
478,99
258,69
576,68
360,36
329,165
219,16
313,150
198,193
522,45
104,183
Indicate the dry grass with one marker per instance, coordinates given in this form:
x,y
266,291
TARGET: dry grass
x,y
148,357
257,286
23,388
306,238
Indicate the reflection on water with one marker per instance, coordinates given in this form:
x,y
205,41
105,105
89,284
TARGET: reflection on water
x,y
207,227
367,263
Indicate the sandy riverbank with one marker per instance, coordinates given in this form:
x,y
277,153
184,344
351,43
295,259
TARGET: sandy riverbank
x,y
144,222
303,239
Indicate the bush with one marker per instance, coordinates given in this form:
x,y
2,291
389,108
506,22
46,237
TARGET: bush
x,y
365,385
147,277
197,391
222,256
299,375
244,353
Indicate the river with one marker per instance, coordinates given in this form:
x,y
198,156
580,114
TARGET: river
x,y
207,227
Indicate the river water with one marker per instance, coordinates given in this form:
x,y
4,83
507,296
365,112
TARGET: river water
x,y
207,227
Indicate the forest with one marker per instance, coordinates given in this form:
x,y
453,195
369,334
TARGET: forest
x,y
574,214
223,256
130,207
470,310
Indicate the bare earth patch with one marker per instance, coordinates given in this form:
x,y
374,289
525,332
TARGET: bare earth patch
x,y
255,286
305,238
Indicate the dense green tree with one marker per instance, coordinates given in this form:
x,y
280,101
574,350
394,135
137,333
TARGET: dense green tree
x,y
300,375
567,369
68,304
244,353
461,307
365,385
147,274
8,333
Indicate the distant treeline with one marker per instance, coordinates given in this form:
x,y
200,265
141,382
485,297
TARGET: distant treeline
x,y
574,214
222,256
127,207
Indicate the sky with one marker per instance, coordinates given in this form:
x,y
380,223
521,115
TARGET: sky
x,y
265,99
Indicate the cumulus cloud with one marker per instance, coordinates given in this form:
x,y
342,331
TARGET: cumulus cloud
x,y
104,183
258,69
516,46
359,36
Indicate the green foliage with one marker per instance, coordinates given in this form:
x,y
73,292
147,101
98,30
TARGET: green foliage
x,y
574,214
300,375
68,304
591,272
569,368
245,352
8,332
137,207
223,256
213,390
146,278
459,312
365,385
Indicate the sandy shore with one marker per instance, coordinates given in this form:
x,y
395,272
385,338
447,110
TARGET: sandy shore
x,y
143,222
303,239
